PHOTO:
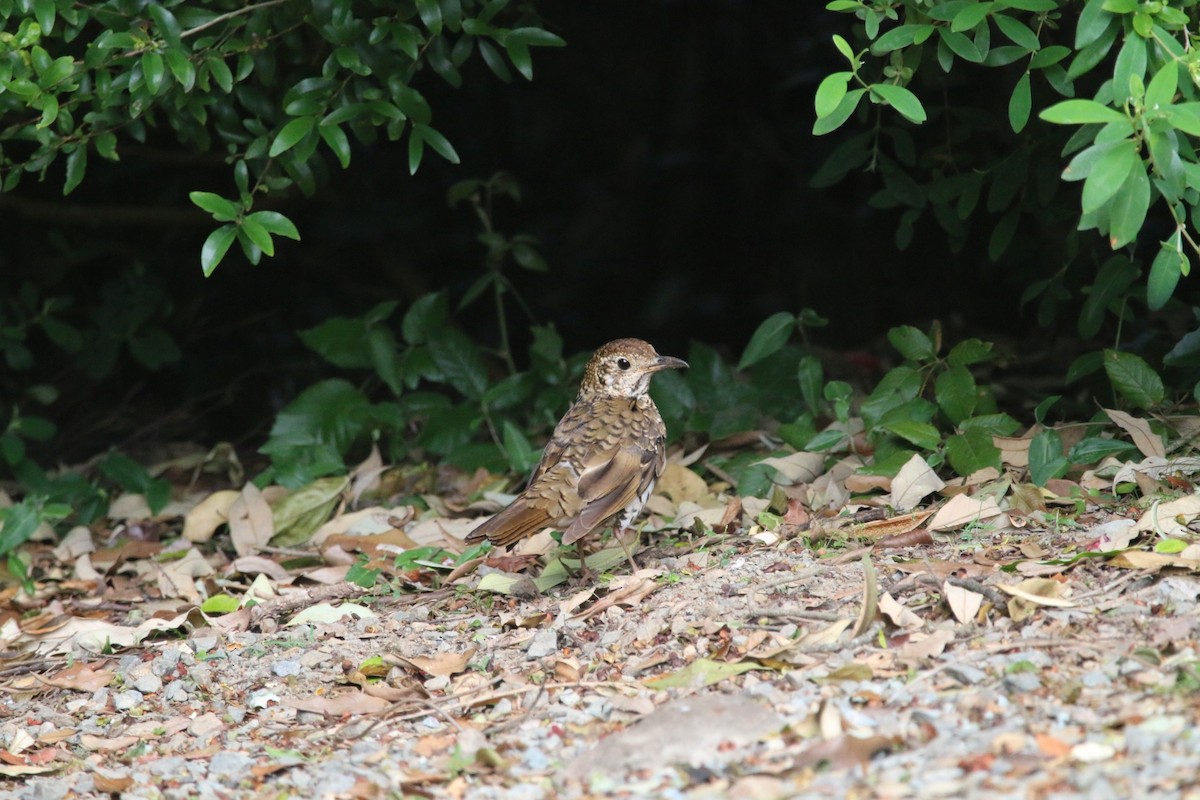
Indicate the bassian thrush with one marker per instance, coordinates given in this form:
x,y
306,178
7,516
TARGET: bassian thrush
x,y
603,458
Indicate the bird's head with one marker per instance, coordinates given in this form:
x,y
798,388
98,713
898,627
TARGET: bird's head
x,y
623,368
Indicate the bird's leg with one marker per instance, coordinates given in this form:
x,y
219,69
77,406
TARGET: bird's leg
x,y
585,572
628,555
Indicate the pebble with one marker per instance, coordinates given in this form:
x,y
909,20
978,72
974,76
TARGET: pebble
x,y
1022,682
148,684
966,674
229,767
286,668
205,725
544,643
124,701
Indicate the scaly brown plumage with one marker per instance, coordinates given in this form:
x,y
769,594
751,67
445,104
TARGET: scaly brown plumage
x,y
603,458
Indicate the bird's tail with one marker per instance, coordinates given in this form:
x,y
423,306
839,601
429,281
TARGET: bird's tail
x,y
519,521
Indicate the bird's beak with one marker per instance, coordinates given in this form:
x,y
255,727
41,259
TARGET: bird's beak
x,y
667,362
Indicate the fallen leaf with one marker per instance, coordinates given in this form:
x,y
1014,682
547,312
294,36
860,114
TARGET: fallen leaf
x,y
82,677
964,603
209,514
913,483
893,526
700,673
1171,518
922,646
1033,592
250,523
1141,559
901,615
1014,450
297,516
440,664
963,510
801,467
339,705
329,613
681,484
1149,442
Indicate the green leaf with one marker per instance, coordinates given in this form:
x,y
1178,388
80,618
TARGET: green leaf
x,y
222,210
1081,112
844,48
1115,276
810,374
459,361
1134,379
1161,90
912,343
535,37
220,73
969,351
1046,460
1108,174
44,12
922,434
955,393
276,223
840,114
902,100
181,67
1019,104
1093,22
768,338
971,451
255,231
969,17
1017,31
336,139
699,673
166,23
291,134
992,424
901,36
416,150
19,522
960,45
1039,411
215,247
76,166
154,71
519,54
431,15
830,92
1165,272
1128,210
439,143
1094,449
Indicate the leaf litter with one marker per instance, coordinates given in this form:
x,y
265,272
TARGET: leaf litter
x,y
995,639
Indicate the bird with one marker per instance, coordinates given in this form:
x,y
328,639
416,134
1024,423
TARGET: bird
x,y
603,458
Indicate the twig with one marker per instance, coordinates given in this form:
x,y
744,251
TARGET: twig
x,y
217,20
794,611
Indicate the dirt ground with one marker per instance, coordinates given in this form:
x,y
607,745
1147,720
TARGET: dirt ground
x,y
750,665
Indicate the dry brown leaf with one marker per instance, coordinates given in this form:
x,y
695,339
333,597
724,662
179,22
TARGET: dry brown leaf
x,y
626,590
251,525
894,526
440,664
108,782
364,523
129,505
107,744
863,484
963,510
82,677
209,514
679,484
1014,450
801,467
1031,593
964,603
1149,442
1170,518
1142,559
901,615
922,646
339,705
913,483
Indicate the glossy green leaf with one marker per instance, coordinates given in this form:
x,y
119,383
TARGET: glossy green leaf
x,y
1128,209
1165,273
76,167
902,100
154,71
1046,459
840,114
1108,175
291,135
222,210
1017,31
1080,112
971,451
1161,90
1019,104
276,223
912,343
439,143
955,392
772,334
922,434
1134,379
830,92
215,247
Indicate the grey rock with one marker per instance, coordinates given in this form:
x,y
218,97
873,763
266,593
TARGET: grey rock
x,y
123,701
229,767
1022,682
545,642
286,668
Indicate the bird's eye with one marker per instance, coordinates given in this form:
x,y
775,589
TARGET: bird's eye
x,y
623,363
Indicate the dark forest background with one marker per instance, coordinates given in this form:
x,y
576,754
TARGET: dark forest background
x,y
665,158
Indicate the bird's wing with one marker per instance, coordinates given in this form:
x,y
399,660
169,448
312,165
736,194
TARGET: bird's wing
x,y
610,483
